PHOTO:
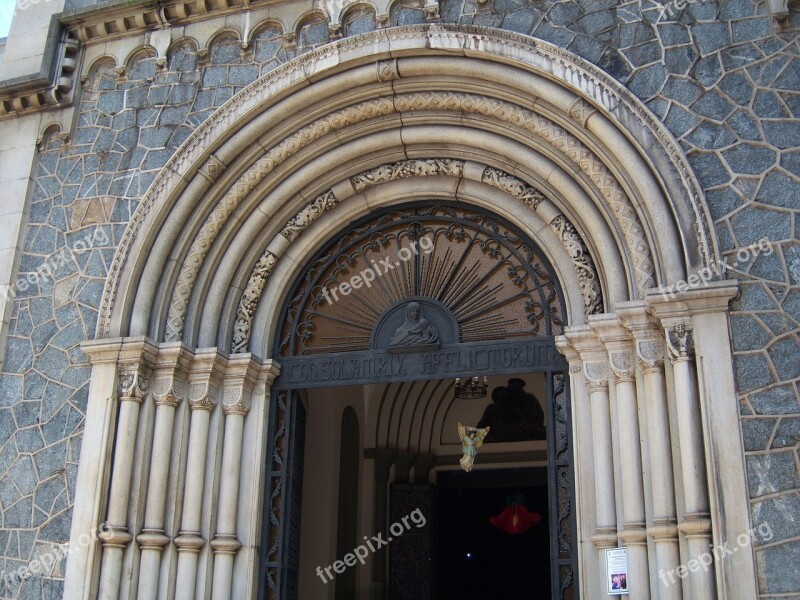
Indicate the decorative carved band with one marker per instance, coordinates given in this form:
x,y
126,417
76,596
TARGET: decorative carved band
x,y
583,263
308,215
249,301
511,185
408,168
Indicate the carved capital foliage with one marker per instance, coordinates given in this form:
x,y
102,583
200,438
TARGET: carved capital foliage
x,y
133,382
623,366
680,342
650,353
596,374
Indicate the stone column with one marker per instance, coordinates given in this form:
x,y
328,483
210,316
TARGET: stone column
x,y
133,382
696,523
168,391
203,391
595,369
238,386
619,345
650,349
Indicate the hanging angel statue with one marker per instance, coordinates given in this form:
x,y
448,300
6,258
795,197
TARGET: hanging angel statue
x,y
471,440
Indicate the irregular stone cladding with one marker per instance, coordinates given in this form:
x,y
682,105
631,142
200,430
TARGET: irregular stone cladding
x,y
717,75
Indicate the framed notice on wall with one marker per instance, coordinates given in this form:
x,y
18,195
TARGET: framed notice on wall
x,y
617,571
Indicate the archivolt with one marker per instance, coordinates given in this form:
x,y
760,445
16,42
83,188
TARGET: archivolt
x,y
578,119
573,244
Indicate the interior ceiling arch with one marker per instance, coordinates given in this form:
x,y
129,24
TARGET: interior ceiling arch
x,y
251,177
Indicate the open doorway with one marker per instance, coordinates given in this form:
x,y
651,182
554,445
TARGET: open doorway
x,y
479,548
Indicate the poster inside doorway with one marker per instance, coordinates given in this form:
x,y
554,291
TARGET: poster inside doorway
x,y
617,571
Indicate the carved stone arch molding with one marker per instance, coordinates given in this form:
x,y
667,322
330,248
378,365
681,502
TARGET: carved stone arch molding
x,y
550,120
467,117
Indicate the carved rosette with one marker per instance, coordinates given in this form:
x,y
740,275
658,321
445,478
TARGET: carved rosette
x,y
513,186
133,383
408,168
650,354
680,343
308,215
596,375
583,263
249,301
623,366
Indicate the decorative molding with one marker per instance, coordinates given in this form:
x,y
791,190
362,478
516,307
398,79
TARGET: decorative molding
x,y
46,91
309,214
249,301
582,78
583,263
680,343
535,124
212,168
408,168
580,111
387,70
513,186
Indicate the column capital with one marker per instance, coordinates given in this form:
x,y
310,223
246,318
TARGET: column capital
x,y
596,374
680,343
133,382
240,379
650,353
622,365
205,379
171,374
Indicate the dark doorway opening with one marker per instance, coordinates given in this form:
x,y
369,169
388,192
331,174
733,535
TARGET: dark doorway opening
x,y
475,556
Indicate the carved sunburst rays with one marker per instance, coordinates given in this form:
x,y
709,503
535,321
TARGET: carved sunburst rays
x,y
491,280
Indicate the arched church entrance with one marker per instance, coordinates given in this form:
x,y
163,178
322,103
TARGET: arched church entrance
x,y
419,318
186,458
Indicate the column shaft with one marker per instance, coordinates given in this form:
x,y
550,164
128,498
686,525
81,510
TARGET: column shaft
x,y
133,387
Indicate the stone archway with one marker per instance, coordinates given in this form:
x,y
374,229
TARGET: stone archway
x,y
542,138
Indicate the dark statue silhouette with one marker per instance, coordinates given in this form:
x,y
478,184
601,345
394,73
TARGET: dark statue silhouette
x,y
514,415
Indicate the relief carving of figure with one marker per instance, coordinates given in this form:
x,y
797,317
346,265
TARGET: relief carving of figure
x,y
415,330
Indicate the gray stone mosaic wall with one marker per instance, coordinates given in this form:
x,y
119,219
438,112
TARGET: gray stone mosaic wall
x,y
723,83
